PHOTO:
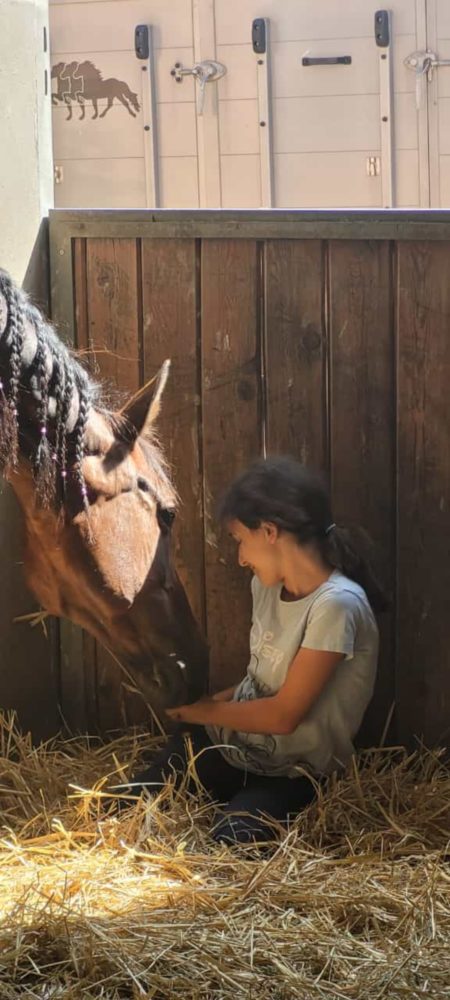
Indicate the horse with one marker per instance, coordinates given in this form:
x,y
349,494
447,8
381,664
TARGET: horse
x,y
64,85
98,504
95,88
83,82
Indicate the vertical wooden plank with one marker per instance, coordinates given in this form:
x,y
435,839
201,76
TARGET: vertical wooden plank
x,y
72,700
80,673
362,424
295,350
423,672
169,290
112,317
113,311
231,436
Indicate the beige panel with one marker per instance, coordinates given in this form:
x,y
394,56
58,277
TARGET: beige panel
x,y
444,126
291,19
291,79
238,125
59,2
325,180
179,182
117,135
102,184
167,88
443,72
241,182
444,172
108,24
239,82
405,121
177,134
120,132
407,182
122,66
326,123
443,18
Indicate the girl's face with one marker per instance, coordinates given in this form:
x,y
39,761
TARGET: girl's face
x,y
258,549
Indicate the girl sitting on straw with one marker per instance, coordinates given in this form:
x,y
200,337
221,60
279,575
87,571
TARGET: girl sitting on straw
x,y
261,747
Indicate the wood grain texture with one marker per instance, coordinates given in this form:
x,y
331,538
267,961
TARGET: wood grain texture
x,y
362,426
423,317
295,350
231,436
170,309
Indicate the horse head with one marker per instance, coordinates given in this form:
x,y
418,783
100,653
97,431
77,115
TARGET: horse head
x,y
56,70
98,506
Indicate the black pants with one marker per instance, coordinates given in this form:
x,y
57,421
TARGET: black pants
x,y
247,801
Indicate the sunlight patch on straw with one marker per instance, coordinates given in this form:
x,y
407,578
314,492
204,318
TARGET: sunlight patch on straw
x,y
353,902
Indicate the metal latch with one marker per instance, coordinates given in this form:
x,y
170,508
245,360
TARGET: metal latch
x,y
423,63
203,72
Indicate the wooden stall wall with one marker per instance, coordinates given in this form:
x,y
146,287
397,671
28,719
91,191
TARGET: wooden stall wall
x,y
336,351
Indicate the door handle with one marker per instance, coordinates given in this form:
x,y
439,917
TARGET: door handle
x,y
326,60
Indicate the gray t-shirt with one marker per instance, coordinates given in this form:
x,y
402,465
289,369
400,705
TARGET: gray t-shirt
x,y
336,617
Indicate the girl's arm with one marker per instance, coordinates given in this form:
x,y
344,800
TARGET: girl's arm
x,y
225,695
280,713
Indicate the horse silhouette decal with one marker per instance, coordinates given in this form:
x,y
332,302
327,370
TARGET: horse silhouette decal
x,y
79,83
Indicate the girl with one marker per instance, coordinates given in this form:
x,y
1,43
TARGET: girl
x,y
262,746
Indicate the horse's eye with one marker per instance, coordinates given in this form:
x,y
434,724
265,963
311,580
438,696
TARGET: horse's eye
x,y
166,516
143,485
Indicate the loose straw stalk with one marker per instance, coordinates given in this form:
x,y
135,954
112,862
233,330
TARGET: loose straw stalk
x,y
353,902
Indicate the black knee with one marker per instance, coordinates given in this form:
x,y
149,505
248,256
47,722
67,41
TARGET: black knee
x,y
236,829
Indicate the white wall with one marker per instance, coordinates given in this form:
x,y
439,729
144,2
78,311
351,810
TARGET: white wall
x,y
26,172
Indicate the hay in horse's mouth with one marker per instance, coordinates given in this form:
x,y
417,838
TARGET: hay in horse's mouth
x,y
353,902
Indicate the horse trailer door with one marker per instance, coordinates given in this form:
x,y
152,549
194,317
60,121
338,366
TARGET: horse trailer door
x,y
124,132
345,130
435,95
298,104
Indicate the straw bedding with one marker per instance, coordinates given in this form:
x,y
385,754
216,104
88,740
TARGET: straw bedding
x,y
354,901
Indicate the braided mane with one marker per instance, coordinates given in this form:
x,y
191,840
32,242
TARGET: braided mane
x,y
45,398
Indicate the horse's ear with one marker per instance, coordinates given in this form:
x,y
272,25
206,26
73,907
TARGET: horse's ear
x,y
140,412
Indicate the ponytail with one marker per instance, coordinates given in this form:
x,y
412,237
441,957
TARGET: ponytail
x,y
348,550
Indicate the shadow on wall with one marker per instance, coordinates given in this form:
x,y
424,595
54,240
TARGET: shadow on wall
x,y
28,661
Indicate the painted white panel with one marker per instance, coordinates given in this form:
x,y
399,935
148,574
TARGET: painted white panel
x,y
238,125
177,134
179,182
326,123
241,182
101,184
290,19
102,26
325,180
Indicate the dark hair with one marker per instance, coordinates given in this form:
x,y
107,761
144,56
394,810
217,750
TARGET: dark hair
x,y
294,498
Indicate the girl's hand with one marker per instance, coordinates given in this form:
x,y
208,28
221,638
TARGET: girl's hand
x,y
188,713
